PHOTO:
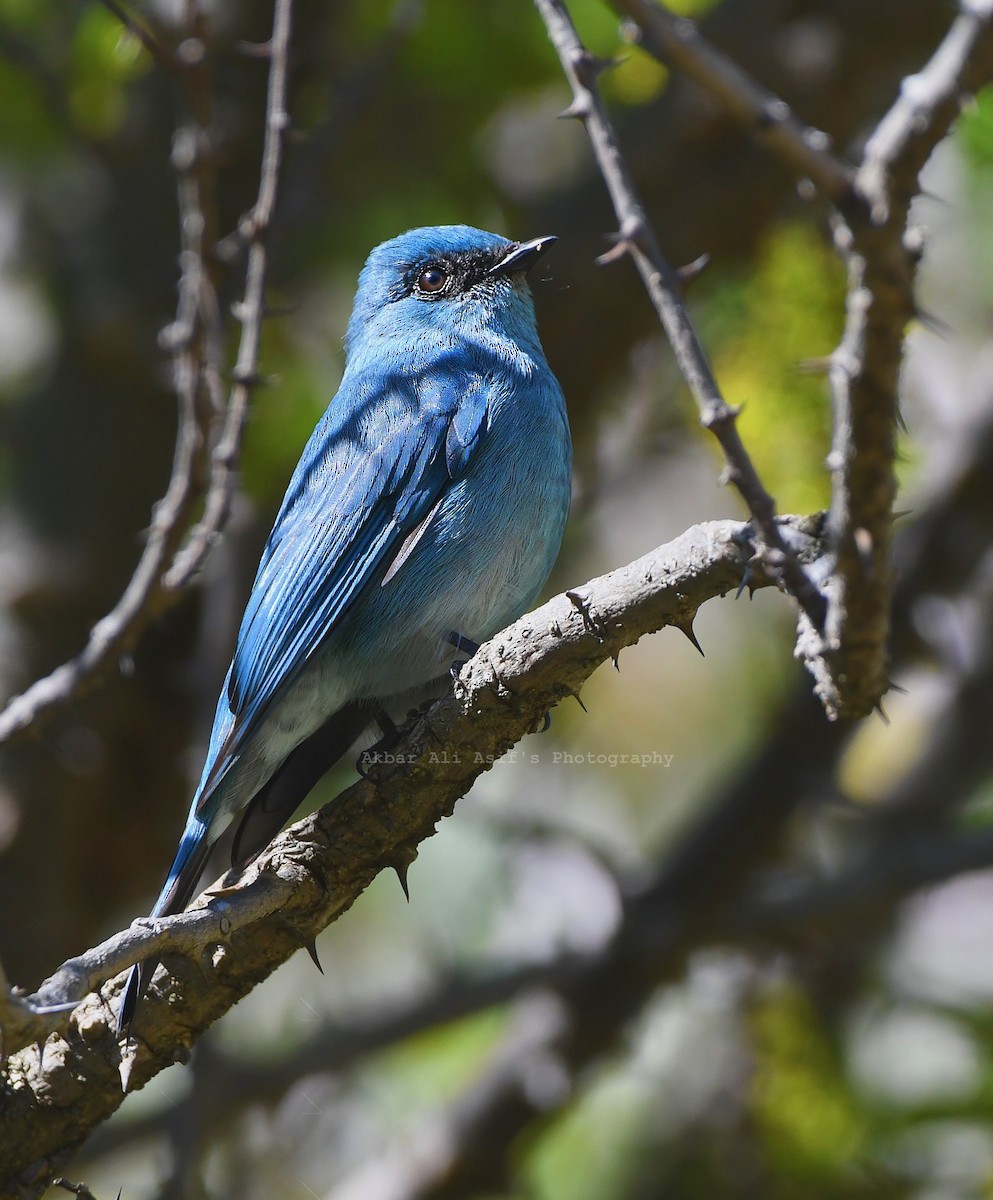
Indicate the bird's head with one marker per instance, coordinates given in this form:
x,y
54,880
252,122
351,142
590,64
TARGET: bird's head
x,y
448,280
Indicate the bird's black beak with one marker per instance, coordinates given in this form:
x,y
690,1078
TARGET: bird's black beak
x,y
521,257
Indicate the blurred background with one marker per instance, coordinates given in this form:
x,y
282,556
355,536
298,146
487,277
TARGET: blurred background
x,y
760,968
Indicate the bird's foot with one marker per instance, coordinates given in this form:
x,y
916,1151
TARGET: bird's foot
x,y
390,736
462,645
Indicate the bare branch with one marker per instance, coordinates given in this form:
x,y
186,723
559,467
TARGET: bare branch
x,y
195,342
847,655
881,254
676,42
252,232
314,872
116,634
637,239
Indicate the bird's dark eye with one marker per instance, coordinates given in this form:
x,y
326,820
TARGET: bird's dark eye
x,y
432,279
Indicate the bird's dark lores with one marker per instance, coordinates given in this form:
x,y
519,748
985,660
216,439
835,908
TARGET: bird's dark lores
x,y
425,514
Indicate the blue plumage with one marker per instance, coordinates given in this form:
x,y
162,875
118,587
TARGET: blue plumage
x,y
430,500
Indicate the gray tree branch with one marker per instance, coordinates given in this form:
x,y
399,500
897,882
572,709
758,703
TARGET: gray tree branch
x,y
167,565
847,654
314,872
637,239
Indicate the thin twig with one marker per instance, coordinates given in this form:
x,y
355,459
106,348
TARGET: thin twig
x,y
194,339
252,231
637,239
676,42
115,635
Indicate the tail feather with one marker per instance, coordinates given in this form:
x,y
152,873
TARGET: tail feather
x,y
187,867
269,809
275,802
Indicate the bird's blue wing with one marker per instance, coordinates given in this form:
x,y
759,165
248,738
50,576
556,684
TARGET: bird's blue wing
x,y
466,426
373,471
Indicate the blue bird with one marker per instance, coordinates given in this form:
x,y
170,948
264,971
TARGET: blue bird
x,y
424,515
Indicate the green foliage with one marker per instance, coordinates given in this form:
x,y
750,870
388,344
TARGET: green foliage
x,y
808,1123
767,329
284,412
586,1153
975,131
975,135
105,58
27,130
432,1068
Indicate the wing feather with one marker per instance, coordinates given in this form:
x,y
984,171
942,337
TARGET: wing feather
x,y
372,472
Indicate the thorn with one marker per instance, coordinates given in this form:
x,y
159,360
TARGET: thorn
x,y
693,270
582,606
579,700
400,870
578,110
932,322
616,252
252,379
44,1010
589,67
254,49
616,659
896,687
815,366
747,581
686,628
878,706
77,1189
242,312
311,948
401,864
221,889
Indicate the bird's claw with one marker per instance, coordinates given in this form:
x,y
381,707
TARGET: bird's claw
x,y
391,735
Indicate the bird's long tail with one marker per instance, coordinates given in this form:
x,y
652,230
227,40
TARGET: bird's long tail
x,y
267,812
187,867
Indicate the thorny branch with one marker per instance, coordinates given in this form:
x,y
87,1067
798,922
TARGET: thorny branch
x,y
676,41
847,655
760,914
881,255
194,339
637,239
314,872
